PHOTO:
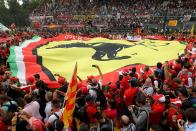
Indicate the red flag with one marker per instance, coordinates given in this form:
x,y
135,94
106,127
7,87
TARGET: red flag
x,y
67,115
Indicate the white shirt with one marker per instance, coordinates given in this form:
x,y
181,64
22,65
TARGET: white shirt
x,y
92,92
191,127
52,118
33,109
190,82
148,90
48,110
194,50
156,84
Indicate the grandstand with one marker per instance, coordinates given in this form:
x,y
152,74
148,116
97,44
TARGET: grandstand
x,y
113,15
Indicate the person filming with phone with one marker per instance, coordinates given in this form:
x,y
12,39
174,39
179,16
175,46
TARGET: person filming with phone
x,y
190,125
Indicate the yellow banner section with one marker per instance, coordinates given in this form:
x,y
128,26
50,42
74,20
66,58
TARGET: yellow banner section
x,y
172,23
84,17
60,57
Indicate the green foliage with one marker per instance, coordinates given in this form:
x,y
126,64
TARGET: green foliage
x,y
18,14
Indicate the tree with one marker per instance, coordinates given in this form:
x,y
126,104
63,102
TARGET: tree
x,y
3,13
18,14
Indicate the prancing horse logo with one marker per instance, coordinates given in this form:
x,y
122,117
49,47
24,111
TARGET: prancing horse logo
x,y
109,49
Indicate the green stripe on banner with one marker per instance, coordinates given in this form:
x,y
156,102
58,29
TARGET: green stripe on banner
x,y
12,57
12,61
183,42
20,63
26,42
35,37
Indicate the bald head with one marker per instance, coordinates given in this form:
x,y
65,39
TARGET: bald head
x,y
125,120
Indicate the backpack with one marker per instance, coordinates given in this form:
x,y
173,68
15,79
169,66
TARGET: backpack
x,y
57,124
11,107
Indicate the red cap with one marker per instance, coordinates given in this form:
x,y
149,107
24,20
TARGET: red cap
x,y
159,97
176,102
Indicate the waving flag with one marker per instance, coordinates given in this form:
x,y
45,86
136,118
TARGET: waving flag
x,y
58,56
67,115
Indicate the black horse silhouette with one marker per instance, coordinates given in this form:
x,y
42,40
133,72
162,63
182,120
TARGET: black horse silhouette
x,y
102,49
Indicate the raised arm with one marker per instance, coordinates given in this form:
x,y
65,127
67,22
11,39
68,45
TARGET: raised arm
x,y
100,73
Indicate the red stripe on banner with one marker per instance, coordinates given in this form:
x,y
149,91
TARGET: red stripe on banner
x,y
30,60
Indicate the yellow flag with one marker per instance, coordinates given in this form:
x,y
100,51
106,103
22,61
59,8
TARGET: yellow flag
x,y
193,29
172,23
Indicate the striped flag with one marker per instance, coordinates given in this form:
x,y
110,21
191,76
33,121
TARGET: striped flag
x,y
67,115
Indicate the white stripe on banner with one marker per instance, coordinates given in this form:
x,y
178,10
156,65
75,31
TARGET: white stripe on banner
x,y
21,74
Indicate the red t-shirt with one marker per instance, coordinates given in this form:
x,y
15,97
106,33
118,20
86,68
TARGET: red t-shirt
x,y
156,113
184,79
129,96
111,113
176,66
2,125
171,112
124,84
91,110
146,74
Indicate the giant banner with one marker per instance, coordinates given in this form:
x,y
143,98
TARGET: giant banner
x,y
59,54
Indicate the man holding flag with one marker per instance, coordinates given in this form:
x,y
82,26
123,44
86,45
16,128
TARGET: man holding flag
x,y
62,118
67,115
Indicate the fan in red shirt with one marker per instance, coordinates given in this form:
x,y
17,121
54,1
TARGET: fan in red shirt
x,y
175,65
91,109
184,77
3,126
157,109
134,73
112,91
130,93
111,111
124,84
174,113
147,72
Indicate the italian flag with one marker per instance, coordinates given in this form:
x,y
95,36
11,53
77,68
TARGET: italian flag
x,y
23,61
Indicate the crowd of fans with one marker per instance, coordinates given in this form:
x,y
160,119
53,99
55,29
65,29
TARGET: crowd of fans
x,y
115,15
159,100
